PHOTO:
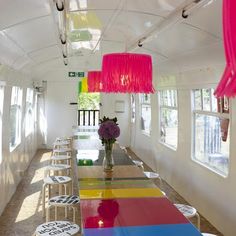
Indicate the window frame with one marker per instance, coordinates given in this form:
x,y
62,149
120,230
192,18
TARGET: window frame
x,y
132,109
2,87
27,108
141,103
220,115
18,101
176,108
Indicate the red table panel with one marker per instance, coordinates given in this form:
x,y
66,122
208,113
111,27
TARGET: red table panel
x,y
129,212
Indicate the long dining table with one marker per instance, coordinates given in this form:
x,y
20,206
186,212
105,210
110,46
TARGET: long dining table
x,y
125,202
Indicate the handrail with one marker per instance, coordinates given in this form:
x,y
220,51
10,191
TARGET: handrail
x,y
88,117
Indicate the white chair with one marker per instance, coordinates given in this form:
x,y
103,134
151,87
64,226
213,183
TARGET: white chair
x,y
57,228
55,181
64,201
188,212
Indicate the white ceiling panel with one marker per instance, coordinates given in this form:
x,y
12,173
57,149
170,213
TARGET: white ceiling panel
x,y
34,34
209,18
21,62
211,55
94,4
45,54
130,25
155,7
15,11
8,50
111,46
180,39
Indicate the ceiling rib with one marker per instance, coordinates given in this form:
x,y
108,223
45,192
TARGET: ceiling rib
x,y
173,18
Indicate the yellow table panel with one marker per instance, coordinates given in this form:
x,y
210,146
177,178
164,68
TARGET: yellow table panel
x,y
120,193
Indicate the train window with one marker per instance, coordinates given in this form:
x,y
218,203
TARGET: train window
x,y
132,105
169,118
211,131
145,102
29,120
15,117
1,111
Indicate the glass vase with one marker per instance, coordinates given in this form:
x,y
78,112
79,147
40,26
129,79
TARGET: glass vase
x,y
108,161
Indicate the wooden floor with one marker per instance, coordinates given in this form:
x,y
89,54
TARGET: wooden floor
x,y
24,212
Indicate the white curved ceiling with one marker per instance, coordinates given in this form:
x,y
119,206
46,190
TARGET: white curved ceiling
x,y
29,36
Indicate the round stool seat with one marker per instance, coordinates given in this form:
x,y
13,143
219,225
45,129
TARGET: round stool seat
x,y
59,228
58,167
138,163
151,175
61,143
186,210
62,150
64,200
60,158
206,234
57,180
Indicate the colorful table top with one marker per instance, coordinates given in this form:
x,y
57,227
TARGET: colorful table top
x,y
134,216
120,193
96,157
120,172
126,203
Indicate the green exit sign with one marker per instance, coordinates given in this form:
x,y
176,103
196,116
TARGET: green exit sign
x,y
75,74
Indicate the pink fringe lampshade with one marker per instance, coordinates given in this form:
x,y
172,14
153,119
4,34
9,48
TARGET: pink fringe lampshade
x,y
94,81
127,73
227,85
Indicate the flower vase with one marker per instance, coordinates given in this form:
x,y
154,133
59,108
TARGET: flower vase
x,y
108,161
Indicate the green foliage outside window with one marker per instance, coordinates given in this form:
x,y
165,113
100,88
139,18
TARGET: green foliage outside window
x,y
89,101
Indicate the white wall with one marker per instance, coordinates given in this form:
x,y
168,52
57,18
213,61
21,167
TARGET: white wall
x,y
13,163
214,196
108,101
59,114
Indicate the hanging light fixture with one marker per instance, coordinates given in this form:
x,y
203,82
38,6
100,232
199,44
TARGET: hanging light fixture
x,y
127,73
227,85
94,81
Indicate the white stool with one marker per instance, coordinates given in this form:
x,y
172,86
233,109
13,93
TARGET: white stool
x,y
62,144
60,151
61,158
55,181
123,148
63,201
206,234
138,163
189,212
59,228
57,168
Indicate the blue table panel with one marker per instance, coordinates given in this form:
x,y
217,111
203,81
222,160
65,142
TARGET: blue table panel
x,y
155,230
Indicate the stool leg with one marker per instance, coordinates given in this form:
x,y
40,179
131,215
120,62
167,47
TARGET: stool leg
x,y
74,210
48,214
49,191
198,221
66,212
43,198
60,189
56,212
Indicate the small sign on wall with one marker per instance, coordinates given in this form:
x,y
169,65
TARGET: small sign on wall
x,y
73,74
119,106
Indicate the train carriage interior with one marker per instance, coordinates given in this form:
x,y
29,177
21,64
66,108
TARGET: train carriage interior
x,y
165,69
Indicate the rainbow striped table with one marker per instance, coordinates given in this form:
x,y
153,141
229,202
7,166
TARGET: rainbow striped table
x,y
129,208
